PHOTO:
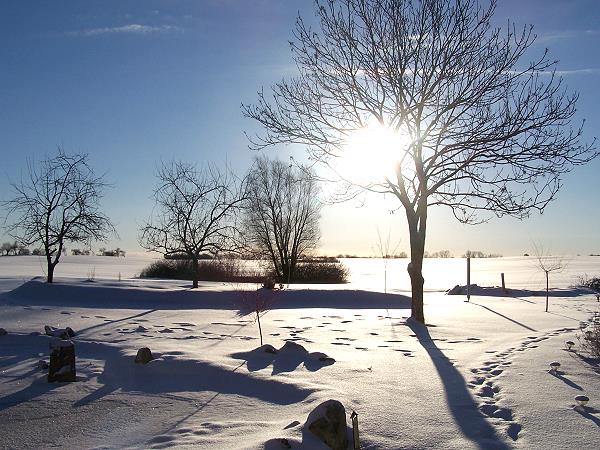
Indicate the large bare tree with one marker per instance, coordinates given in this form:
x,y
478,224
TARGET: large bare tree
x,y
487,131
195,212
58,201
282,213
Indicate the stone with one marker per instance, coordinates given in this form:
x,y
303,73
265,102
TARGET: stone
x,y
42,365
328,423
62,361
144,356
3,332
62,333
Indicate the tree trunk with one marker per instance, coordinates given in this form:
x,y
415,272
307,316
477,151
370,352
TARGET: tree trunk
x,y
415,267
259,327
196,268
51,267
546,291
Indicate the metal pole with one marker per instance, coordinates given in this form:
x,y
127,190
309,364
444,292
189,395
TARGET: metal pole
x,y
355,437
468,278
503,285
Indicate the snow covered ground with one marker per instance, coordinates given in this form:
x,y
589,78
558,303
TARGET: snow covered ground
x,y
476,377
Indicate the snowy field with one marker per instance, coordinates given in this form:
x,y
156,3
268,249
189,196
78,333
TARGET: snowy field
x,y
477,378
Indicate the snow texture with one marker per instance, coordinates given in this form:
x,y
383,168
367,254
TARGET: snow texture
x,y
477,377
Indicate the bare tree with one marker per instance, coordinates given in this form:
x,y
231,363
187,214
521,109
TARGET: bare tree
x,y
485,133
548,264
256,302
58,202
195,213
386,251
282,214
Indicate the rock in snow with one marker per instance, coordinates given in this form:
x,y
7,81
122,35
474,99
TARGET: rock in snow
x,y
328,422
144,355
2,332
62,333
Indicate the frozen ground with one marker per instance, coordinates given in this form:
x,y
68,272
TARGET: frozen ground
x,y
477,377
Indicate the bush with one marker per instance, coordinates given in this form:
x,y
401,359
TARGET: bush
x,y
592,283
590,339
208,270
170,269
320,272
186,256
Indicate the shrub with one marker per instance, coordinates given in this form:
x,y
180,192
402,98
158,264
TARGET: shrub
x,y
186,256
208,270
592,283
589,339
320,272
170,269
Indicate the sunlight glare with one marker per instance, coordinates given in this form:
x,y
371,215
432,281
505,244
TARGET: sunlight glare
x,y
372,154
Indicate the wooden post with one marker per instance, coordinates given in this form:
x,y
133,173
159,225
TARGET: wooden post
x,y
62,361
468,278
503,285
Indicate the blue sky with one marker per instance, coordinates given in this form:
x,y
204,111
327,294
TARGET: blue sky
x,y
134,83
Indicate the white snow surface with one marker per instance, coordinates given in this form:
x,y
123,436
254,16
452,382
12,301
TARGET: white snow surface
x,y
477,377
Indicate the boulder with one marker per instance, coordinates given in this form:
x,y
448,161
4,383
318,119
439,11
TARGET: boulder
x,y
328,423
3,332
144,356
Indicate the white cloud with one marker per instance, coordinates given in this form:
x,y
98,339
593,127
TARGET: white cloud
x,y
565,34
133,28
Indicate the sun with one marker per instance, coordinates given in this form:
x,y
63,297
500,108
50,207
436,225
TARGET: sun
x,y
372,154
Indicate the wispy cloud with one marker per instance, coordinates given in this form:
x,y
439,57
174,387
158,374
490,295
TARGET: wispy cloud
x,y
132,28
588,71
565,35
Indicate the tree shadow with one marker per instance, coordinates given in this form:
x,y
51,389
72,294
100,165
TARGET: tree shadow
x,y
586,412
38,387
505,317
171,374
104,295
461,404
113,322
561,377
